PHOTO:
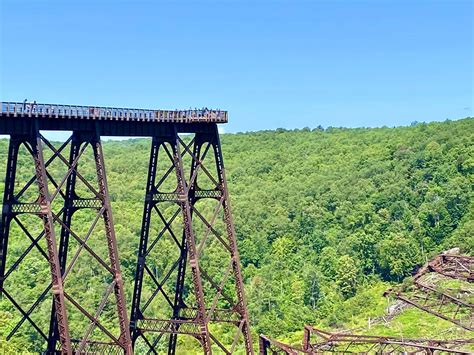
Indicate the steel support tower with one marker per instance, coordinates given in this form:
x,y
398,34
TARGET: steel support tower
x,y
55,205
186,216
187,207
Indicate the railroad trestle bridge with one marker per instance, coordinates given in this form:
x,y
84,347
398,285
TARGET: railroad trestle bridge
x,y
202,290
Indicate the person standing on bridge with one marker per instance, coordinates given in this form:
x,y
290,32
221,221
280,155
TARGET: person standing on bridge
x,y
24,104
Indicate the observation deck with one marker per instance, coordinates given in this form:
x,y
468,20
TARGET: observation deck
x,y
19,117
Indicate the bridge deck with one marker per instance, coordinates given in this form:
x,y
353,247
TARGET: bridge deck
x,y
37,110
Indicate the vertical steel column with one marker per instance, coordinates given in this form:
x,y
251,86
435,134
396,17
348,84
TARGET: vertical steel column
x,y
264,344
306,338
178,298
145,230
112,246
69,197
8,200
239,283
47,217
183,192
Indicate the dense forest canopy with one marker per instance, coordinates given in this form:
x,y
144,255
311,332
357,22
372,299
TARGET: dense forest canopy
x,y
321,215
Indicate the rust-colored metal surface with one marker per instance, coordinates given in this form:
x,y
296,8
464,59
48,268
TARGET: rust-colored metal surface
x,y
317,341
440,304
453,305
190,218
56,204
203,288
270,346
187,203
459,267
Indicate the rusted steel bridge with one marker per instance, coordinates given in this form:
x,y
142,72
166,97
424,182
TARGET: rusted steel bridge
x,y
455,308
452,305
317,341
186,216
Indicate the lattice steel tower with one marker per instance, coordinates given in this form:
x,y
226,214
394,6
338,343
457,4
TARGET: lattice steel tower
x,y
186,219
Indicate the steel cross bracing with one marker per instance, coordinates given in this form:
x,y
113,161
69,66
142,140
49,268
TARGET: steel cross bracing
x,y
319,341
459,267
51,196
198,293
440,304
452,305
429,294
187,215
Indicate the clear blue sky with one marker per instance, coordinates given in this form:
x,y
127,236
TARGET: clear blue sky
x,y
270,63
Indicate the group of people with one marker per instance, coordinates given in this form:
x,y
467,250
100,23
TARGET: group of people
x,y
196,113
203,113
29,107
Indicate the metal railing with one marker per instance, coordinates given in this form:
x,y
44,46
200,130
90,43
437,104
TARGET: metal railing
x,y
33,109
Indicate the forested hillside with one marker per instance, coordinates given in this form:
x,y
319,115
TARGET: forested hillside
x,y
324,218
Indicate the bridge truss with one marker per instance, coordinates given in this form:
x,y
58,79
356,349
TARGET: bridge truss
x,y
190,213
454,305
459,267
441,287
186,215
56,204
319,341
